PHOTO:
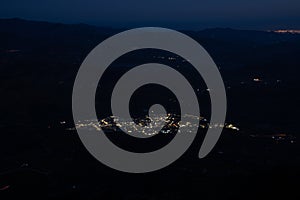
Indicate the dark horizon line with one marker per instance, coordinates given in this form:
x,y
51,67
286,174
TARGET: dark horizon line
x,y
130,26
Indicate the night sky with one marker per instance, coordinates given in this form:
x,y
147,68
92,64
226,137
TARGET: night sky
x,y
188,14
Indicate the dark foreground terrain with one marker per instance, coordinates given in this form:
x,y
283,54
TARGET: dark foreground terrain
x,y
42,156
